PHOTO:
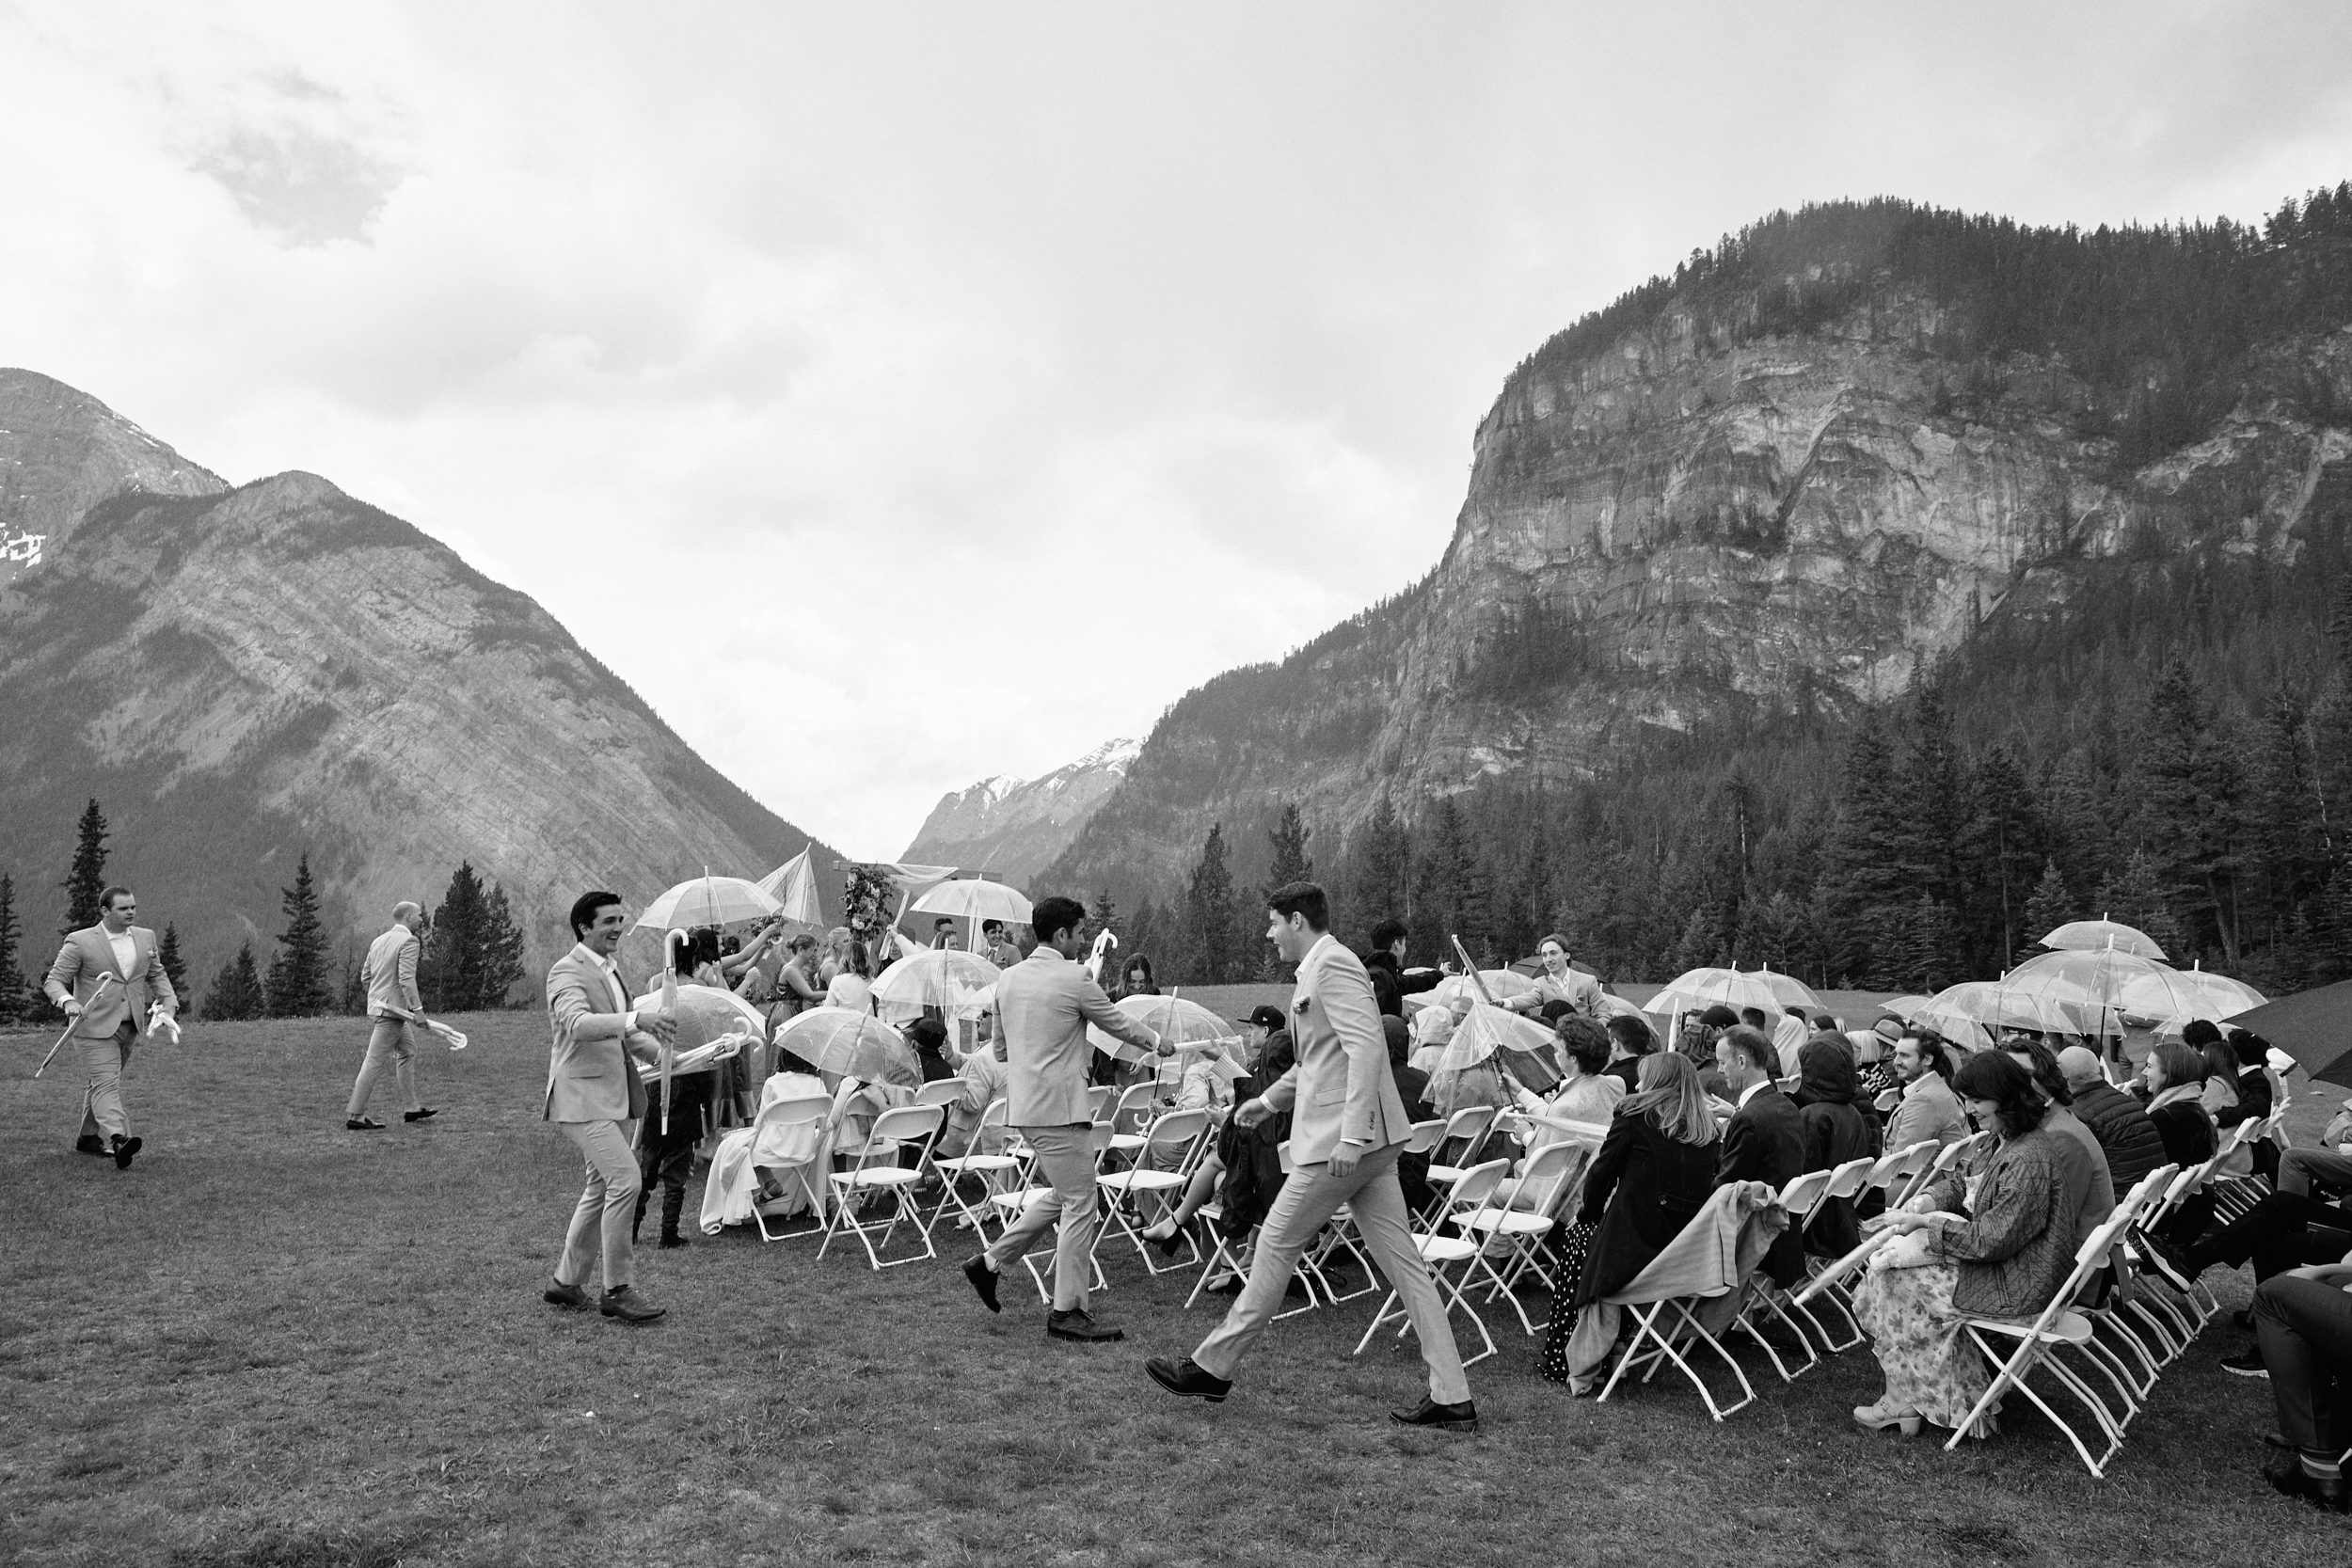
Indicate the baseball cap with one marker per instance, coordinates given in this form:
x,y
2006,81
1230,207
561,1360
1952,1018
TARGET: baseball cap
x,y
1264,1018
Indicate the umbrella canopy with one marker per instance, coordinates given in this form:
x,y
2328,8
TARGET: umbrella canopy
x,y
793,886
1522,1046
2087,936
1457,992
2089,982
1902,1007
938,978
1792,992
708,900
1174,1019
2309,1026
972,898
2213,996
855,1045
1971,1012
704,1013
1697,990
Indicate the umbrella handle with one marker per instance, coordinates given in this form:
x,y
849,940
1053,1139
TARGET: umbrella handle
x,y
1471,970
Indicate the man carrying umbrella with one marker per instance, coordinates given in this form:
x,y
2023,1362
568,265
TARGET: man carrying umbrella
x,y
1043,1006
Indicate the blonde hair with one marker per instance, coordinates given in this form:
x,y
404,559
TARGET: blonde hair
x,y
1670,1096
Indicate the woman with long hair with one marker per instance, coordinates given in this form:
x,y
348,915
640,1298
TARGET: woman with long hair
x,y
1654,1172
1993,1241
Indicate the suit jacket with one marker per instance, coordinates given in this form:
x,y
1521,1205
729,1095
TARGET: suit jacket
x,y
391,975
1340,1090
1043,1006
1765,1143
87,955
590,1075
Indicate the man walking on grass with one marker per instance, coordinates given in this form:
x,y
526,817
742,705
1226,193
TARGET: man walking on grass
x,y
595,1097
108,980
390,976
1348,1126
1043,1006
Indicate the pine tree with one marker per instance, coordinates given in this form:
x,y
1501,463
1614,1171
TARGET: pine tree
x,y
236,992
473,959
2136,897
1380,863
2190,802
501,968
2048,908
1926,955
1455,894
1288,839
1700,945
355,984
175,968
1217,950
1862,877
297,972
1104,916
12,986
87,879
2003,836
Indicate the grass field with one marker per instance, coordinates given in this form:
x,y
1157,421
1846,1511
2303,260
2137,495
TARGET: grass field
x,y
275,1342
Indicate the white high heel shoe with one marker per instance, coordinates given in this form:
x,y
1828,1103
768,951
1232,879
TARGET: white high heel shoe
x,y
1879,1416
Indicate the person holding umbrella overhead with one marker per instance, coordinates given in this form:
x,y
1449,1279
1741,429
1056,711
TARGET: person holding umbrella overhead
x,y
1043,1006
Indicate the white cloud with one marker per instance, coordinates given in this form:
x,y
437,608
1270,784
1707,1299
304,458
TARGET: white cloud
x,y
813,364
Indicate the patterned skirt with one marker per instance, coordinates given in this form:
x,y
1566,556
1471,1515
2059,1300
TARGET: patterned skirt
x,y
1571,1246
1915,1332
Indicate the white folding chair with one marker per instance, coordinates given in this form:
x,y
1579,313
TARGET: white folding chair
x,y
806,1111
1469,1196
1846,1181
868,1175
1946,1157
1760,1295
2017,1349
1129,1114
1666,1327
993,1171
940,1091
1469,1125
1899,1168
1179,1136
1550,1176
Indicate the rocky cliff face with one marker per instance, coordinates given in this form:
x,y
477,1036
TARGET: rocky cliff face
x,y
1683,523
61,452
1012,828
240,675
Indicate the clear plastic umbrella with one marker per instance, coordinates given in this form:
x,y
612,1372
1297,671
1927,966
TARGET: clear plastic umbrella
x,y
708,900
1790,990
974,899
938,978
706,1013
855,1045
2095,936
1521,1045
2092,983
1174,1019
2214,997
1457,992
1697,990
1973,1012
1902,1007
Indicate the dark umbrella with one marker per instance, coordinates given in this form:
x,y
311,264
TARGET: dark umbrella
x,y
2313,1026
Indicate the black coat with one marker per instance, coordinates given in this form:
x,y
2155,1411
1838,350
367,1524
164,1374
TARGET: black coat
x,y
1644,1186
2187,1131
2127,1137
1391,985
1765,1143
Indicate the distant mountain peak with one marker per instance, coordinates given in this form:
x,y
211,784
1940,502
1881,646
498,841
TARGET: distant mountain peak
x,y
1013,826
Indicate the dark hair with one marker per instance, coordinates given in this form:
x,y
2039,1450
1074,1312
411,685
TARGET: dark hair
x,y
1049,916
802,942
2252,1050
2183,1063
997,926
1142,961
2200,1032
1751,1043
106,899
1388,933
1991,1075
1718,1017
1931,1051
1554,1011
1751,1017
585,909
929,1035
1821,1021
1586,1040
942,920
1632,1032
1797,1013
1304,899
2221,1061
1556,937
2046,1076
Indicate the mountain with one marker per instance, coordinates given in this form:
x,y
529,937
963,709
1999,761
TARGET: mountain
x,y
1012,827
242,675
1852,452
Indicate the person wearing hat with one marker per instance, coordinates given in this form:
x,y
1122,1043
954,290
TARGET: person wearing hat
x,y
928,1036
1264,1024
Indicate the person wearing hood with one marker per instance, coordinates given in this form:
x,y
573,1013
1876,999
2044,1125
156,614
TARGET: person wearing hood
x,y
1836,1131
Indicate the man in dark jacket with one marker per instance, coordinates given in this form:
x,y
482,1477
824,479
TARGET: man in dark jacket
x,y
1391,982
1765,1141
2133,1146
2254,1097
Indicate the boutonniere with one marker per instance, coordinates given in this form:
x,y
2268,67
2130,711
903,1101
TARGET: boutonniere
x,y
1299,1006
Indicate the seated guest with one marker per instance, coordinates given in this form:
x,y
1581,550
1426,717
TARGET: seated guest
x,y
2284,1231
1789,1033
2250,1055
2001,1254
944,934
1412,1084
1874,1063
1835,1131
1629,1040
2321,1170
2174,1077
2077,1141
1698,1044
1654,1172
928,1036
1764,1140
984,1075
1275,1057
1927,1111
1433,1029
1588,1092
2126,1135
1453,1090
2303,1327
999,947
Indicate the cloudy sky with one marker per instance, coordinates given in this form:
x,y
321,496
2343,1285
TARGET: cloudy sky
x,y
954,385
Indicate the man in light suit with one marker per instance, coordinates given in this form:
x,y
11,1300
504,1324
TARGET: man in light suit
x,y
390,975
1043,1006
594,1096
1348,1125
108,1023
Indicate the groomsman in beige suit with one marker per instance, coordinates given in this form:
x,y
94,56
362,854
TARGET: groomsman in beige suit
x,y
107,978
596,1097
1348,1125
1043,1006
396,1009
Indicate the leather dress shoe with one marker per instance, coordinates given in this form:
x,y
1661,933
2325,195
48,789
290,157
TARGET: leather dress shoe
x,y
1445,1417
560,1295
362,1124
1076,1325
89,1144
983,1281
425,1114
673,1239
125,1148
1188,1379
2285,1472
624,1302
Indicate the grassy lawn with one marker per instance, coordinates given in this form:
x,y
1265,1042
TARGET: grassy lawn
x,y
275,1342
